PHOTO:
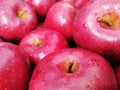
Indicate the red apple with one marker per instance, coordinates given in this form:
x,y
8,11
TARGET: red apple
x,y
41,42
60,17
17,19
40,25
99,30
1,40
73,69
117,73
78,3
41,6
14,67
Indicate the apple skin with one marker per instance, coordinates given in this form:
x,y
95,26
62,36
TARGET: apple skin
x,y
117,73
90,71
41,6
78,3
60,18
17,19
41,42
40,25
90,35
14,67
1,40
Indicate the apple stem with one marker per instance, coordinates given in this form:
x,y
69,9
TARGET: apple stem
x,y
37,42
101,20
21,14
70,66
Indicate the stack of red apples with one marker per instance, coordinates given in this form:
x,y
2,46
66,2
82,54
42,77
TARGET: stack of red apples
x,y
59,45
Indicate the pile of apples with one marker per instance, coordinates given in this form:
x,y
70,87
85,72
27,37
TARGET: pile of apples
x,y
59,45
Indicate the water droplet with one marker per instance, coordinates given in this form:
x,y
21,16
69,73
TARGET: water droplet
x,y
87,86
96,14
84,25
95,62
109,83
43,81
22,23
63,86
13,70
76,75
84,53
19,76
97,76
1,78
5,27
8,68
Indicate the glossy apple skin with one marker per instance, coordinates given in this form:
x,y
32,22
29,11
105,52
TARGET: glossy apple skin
x,y
93,73
12,27
41,6
90,35
78,3
117,73
51,41
60,17
14,67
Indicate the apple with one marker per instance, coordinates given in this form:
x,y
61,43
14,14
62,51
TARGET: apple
x,y
99,30
73,69
40,25
60,18
78,3
71,43
117,73
1,40
17,19
41,6
14,67
41,42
